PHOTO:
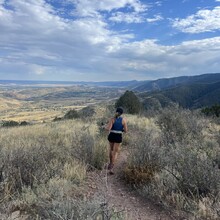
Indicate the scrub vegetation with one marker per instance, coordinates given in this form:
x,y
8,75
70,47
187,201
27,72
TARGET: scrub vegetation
x,y
173,158
43,167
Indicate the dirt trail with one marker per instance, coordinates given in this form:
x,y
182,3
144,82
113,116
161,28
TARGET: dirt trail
x,y
122,198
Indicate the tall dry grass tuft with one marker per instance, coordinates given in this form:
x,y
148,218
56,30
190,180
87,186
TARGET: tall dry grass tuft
x,y
144,161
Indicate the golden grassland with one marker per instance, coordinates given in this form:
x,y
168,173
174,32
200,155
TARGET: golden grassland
x,y
36,115
7,104
44,104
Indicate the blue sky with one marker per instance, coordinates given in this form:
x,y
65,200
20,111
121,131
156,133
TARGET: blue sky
x,y
108,40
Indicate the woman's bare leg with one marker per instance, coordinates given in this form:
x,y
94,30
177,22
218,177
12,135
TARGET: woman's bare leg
x,y
111,147
115,152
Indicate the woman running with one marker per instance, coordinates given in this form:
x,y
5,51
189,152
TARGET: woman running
x,y
116,126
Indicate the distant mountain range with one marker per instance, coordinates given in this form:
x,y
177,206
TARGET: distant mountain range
x,y
161,84
187,91
121,84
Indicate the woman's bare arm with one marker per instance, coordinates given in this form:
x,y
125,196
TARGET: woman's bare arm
x,y
124,123
109,125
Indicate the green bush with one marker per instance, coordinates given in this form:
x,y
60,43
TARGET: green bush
x,y
87,112
57,119
10,123
212,111
71,114
24,123
130,102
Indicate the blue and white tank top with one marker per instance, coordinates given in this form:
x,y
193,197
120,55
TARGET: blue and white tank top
x,y
117,127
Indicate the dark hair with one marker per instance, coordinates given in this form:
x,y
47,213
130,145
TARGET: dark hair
x,y
119,110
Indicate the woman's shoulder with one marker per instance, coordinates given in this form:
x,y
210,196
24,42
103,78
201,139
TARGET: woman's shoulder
x,y
124,119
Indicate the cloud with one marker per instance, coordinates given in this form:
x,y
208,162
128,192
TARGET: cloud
x,y
127,17
38,43
37,40
154,19
202,21
91,8
133,17
149,59
158,3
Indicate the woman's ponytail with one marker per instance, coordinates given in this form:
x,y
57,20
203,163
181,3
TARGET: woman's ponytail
x,y
117,114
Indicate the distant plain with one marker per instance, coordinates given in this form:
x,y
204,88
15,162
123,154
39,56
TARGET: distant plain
x,y
36,103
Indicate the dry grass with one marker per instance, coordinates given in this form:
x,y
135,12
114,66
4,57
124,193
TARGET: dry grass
x,y
39,161
35,116
7,103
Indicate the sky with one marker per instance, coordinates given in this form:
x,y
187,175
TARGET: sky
x,y
108,40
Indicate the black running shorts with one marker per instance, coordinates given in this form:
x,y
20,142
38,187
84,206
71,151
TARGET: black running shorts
x,y
114,137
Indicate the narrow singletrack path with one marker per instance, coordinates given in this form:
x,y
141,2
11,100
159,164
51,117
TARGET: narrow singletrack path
x,y
121,198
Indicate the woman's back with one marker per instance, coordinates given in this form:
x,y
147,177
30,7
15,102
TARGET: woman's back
x,y
117,125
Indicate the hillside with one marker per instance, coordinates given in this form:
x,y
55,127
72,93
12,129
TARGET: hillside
x,y
165,83
193,95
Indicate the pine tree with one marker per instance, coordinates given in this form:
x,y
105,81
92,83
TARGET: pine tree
x,y
130,102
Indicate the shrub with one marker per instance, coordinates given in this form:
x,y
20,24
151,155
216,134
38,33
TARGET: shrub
x,y
57,119
33,156
10,123
144,160
180,125
71,114
87,112
130,102
212,111
177,164
59,199
93,151
24,123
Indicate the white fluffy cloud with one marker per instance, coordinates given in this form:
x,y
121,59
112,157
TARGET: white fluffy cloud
x,y
203,21
37,43
148,58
